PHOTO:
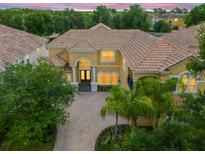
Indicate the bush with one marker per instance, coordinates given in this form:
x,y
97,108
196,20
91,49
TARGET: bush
x,y
106,140
104,87
162,26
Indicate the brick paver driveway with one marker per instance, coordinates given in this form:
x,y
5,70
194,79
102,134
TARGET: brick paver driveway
x,y
85,123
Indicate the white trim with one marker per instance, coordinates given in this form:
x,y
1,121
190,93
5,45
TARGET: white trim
x,y
107,61
188,84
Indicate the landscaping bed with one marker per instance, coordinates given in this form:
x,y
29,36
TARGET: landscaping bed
x,y
106,140
48,145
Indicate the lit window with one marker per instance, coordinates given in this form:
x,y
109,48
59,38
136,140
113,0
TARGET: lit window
x,y
88,74
182,86
107,79
100,79
84,64
107,56
114,78
192,84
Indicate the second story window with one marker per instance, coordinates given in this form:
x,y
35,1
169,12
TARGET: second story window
x,y
107,56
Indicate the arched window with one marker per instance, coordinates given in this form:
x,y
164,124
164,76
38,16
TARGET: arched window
x,y
107,79
192,85
100,78
183,82
84,65
114,78
187,83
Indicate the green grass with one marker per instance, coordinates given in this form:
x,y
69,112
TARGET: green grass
x,y
43,147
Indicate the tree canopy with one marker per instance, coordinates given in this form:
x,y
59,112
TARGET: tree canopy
x,y
196,15
47,22
33,100
162,26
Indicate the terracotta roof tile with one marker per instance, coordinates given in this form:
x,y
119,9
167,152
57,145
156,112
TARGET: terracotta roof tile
x,y
185,38
142,51
15,44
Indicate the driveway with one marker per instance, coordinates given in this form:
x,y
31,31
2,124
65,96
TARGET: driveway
x,y
85,123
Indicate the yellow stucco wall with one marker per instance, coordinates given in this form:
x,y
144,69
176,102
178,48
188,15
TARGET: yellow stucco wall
x,y
75,56
177,22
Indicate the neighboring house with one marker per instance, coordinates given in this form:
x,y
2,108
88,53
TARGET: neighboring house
x,y
154,19
174,19
17,46
104,56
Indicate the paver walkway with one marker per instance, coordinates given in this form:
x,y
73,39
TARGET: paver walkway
x,y
85,123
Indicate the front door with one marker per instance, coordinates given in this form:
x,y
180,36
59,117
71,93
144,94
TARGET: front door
x,y
85,75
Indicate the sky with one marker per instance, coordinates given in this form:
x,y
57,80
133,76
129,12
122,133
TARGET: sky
x,y
92,6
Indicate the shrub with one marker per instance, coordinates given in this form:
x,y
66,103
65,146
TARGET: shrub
x,y
162,26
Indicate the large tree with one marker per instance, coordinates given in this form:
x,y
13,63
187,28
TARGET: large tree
x,y
33,100
196,15
198,66
102,15
135,18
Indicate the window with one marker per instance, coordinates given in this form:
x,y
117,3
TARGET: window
x,y
114,78
100,79
84,65
107,79
182,86
107,56
192,84
187,83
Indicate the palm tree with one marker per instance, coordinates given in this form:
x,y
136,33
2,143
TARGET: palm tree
x,y
114,104
140,106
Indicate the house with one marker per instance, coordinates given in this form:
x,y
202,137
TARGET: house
x,y
101,56
154,19
174,19
16,46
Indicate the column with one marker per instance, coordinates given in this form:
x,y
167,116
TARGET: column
x,y
93,73
74,83
73,74
93,82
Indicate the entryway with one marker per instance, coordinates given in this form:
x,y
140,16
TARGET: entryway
x,y
85,75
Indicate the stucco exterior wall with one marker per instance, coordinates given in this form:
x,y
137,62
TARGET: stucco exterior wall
x,y
75,56
123,72
117,61
35,55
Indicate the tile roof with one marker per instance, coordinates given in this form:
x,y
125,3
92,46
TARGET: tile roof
x,y
142,51
147,53
184,38
172,15
15,43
